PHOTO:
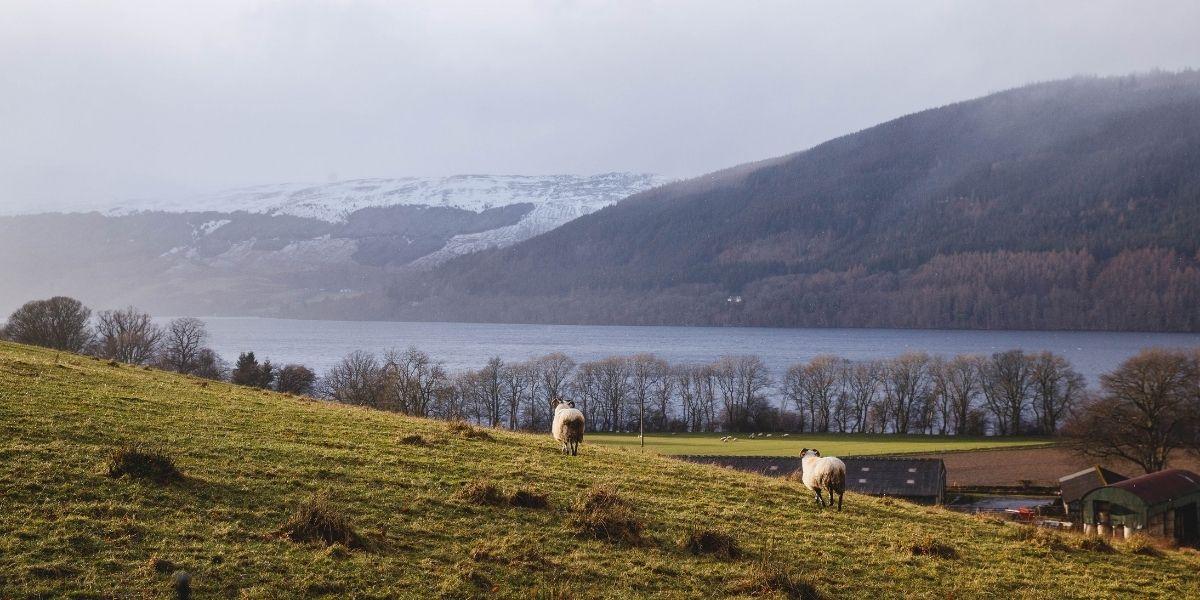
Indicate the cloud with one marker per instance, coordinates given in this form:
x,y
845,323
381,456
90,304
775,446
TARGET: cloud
x,y
114,100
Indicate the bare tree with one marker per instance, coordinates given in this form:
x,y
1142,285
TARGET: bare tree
x,y
1005,382
959,383
646,371
127,335
821,381
907,387
555,369
861,382
741,381
410,378
491,391
357,380
210,366
183,340
59,322
584,385
795,391
517,378
663,393
1057,387
1148,409
612,382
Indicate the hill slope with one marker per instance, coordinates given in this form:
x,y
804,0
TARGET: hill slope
x,y
250,457
1072,204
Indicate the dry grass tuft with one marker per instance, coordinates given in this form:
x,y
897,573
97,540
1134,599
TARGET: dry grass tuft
x,y
603,514
1142,546
769,579
317,520
143,462
928,545
467,430
1091,543
161,565
413,440
711,542
527,498
481,491
1039,537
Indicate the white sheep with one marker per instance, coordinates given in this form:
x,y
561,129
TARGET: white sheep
x,y
568,426
823,473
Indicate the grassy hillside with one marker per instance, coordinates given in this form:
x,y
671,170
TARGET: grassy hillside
x,y
841,444
249,458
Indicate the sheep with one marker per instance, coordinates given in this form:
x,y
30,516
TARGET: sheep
x,y
568,426
827,473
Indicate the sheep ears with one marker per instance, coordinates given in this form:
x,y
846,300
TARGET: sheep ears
x,y
803,451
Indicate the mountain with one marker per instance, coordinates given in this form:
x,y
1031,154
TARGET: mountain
x,y
1071,204
248,459
275,249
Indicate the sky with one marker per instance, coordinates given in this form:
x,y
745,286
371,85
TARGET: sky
x,y
107,101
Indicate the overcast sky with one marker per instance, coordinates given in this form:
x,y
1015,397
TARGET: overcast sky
x,y
102,101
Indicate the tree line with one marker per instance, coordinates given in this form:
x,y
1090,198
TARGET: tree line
x,y
1146,410
131,336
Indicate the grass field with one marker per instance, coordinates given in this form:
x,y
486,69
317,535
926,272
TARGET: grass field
x,y
250,458
830,444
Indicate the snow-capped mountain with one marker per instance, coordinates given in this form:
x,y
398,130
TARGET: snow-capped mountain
x,y
556,199
293,244
569,195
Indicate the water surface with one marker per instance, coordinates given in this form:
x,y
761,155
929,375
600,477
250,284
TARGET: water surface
x,y
321,344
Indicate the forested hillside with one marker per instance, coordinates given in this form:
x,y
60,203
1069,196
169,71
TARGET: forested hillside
x,y
1065,205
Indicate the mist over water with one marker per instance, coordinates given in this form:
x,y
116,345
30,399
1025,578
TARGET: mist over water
x,y
462,346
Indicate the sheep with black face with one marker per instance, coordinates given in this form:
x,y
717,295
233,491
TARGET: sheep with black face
x,y
826,473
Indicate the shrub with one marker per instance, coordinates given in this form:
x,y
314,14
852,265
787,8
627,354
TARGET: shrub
x,y
143,462
481,491
603,514
1093,544
466,430
317,520
708,541
527,498
768,579
1141,546
928,545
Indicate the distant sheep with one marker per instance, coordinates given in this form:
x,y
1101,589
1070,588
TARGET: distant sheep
x,y
823,473
568,427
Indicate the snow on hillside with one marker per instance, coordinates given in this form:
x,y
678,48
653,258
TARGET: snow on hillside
x,y
563,194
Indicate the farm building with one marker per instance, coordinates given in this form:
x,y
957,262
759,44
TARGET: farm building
x,y
1076,485
1162,504
921,480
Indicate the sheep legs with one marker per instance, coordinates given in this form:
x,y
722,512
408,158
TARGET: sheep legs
x,y
840,494
820,498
